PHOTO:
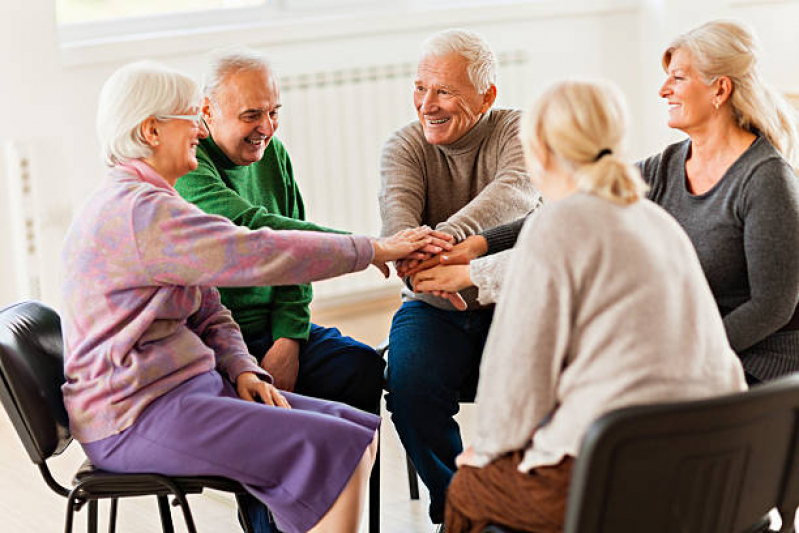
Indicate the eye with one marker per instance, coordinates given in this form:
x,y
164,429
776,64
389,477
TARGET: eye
x,y
250,117
420,89
273,114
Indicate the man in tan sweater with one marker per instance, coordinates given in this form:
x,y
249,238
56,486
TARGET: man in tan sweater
x,y
459,169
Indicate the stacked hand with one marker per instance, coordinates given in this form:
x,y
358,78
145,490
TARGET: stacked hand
x,y
447,272
409,245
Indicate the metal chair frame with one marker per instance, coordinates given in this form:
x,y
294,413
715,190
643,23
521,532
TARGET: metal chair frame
x,y
30,391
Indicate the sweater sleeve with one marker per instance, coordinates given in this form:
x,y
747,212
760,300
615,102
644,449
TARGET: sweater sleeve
x,y
488,273
214,324
770,209
511,191
178,244
527,344
403,193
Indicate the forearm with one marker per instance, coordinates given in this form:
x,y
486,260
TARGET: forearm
x,y
508,197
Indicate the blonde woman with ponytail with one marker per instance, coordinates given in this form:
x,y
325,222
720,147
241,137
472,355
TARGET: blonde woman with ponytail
x,y
732,186
604,305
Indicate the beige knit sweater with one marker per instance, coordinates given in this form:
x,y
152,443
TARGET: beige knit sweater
x,y
603,306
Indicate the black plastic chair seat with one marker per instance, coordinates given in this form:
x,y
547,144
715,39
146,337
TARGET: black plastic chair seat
x,y
111,484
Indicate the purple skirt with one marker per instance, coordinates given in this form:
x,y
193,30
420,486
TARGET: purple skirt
x,y
297,461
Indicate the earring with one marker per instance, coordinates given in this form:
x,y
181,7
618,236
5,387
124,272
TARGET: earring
x,y
716,105
156,143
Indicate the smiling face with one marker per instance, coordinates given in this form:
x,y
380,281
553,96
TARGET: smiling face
x,y
690,99
446,102
175,145
243,115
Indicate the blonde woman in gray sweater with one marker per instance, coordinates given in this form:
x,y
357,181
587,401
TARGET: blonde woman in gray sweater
x,y
605,305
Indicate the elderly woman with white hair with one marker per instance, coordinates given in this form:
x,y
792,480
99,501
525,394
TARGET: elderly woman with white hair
x,y
575,336
158,378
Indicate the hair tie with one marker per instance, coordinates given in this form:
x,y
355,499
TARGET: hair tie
x,y
602,153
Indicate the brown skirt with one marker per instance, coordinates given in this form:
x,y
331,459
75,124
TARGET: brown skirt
x,y
499,494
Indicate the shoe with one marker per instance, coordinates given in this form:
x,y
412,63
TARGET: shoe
x,y
440,528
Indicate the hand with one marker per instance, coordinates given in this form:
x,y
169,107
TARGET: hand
x,y
462,253
249,387
466,458
442,242
445,278
282,360
399,245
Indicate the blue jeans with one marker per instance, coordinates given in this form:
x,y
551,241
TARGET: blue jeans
x,y
434,361
332,367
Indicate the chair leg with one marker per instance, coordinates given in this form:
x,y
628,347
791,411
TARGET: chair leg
x,y
112,516
244,517
70,513
374,495
413,480
91,517
166,515
181,500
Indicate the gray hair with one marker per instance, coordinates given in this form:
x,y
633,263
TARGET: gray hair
x,y
224,63
132,94
728,48
482,67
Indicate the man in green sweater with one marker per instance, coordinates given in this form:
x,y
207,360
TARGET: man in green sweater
x,y
245,175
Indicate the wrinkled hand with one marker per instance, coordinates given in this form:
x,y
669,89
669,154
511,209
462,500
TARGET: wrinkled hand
x,y
462,253
399,246
444,281
466,458
249,387
442,242
282,360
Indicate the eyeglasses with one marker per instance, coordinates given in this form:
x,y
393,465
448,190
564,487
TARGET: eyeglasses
x,y
197,119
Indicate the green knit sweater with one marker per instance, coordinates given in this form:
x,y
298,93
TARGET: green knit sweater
x,y
263,194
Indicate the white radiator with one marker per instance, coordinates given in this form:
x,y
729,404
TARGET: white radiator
x,y
334,125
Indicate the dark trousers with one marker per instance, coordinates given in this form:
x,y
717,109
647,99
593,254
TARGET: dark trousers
x,y
332,367
434,361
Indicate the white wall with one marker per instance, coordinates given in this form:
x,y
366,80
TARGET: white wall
x,y
49,92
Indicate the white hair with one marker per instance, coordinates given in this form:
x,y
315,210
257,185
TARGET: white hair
x,y
482,63
728,48
226,62
583,125
131,95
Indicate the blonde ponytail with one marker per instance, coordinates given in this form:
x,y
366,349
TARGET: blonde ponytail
x,y
583,125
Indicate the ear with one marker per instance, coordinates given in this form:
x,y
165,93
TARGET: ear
x,y
149,131
207,109
489,98
723,91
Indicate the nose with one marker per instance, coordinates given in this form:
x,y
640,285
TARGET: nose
x,y
665,89
429,103
267,126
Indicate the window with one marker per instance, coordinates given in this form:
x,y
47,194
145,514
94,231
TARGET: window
x,y
80,11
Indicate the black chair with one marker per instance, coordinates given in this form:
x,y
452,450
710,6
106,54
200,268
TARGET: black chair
x,y
714,465
711,466
31,375
467,396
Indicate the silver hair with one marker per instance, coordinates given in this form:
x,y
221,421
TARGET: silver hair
x,y
482,67
132,94
226,62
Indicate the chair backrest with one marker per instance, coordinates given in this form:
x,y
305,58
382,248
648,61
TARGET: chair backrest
x,y
31,375
716,465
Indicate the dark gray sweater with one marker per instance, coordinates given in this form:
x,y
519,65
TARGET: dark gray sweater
x,y
746,234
